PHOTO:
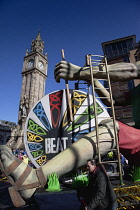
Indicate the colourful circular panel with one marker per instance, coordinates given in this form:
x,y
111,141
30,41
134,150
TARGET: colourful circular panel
x,y
48,129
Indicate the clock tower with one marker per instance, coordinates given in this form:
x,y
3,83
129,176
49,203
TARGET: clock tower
x,y
34,74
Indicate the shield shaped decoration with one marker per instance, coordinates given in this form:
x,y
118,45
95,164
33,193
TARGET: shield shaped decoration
x,y
48,129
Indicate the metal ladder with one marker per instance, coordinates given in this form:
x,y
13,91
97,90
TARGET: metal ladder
x,y
95,61
84,86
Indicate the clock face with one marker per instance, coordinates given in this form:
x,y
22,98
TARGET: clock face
x,y
40,65
30,63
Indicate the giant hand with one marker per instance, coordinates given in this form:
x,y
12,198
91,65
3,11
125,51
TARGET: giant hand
x,y
69,71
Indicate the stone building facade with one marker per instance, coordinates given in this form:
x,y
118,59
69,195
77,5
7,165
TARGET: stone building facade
x,y
5,131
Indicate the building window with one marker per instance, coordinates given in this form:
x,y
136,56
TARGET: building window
x,y
119,48
124,45
130,45
126,59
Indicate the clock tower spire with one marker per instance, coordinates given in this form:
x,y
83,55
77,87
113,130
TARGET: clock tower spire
x,y
34,74
37,44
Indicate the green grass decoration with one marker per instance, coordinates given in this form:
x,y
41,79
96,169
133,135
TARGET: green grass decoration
x,y
80,180
53,183
136,173
110,154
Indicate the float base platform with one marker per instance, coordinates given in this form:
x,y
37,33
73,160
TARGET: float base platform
x,y
65,199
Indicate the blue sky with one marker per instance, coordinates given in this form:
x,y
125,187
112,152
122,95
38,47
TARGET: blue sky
x,y
77,26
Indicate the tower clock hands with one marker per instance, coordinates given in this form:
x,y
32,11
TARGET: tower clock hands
x,y
40,65
30,63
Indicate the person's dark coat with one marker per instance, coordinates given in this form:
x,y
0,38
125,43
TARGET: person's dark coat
x,y
99,193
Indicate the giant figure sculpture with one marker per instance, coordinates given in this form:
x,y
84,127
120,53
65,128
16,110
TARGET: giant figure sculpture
x,y
25,180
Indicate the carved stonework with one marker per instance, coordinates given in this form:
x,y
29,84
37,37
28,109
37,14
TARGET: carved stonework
x,y
37,44
24,104
16,134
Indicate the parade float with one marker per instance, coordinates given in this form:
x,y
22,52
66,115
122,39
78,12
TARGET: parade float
x,y
64,116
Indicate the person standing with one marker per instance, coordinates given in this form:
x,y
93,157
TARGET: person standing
x,y
99,193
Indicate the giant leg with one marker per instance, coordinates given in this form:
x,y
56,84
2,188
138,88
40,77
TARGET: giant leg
x,y
74,156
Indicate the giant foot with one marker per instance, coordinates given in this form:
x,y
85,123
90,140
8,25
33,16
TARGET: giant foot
x,y
23,178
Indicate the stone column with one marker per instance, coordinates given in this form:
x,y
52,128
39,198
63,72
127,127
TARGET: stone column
x,y
23,86
41,85
36,89
32,87
27,86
